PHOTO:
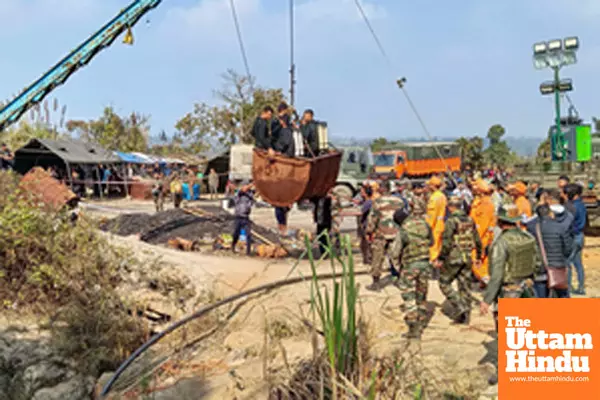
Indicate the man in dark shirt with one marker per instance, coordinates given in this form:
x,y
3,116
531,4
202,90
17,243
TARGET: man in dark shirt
x,y
282,110
284,141
573,192
308,127
261,130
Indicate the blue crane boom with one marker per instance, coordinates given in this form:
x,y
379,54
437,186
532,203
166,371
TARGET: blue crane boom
x,y
81,56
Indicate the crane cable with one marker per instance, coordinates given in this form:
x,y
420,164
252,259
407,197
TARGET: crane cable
x,y
401,85
240,40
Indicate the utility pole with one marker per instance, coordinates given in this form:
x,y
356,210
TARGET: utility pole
x,y
292,63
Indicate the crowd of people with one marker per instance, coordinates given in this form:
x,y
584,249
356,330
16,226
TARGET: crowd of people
x,y
508,241
517,238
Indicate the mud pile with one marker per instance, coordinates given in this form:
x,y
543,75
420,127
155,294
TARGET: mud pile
x,y
158,228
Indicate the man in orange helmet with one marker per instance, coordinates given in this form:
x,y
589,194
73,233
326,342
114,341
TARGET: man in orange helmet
x,y
483,213
518,193
436,212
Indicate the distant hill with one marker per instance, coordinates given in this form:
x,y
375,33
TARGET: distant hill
x,y
523,146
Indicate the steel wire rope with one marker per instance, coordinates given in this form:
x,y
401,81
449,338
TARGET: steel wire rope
x,y
240,40
401,85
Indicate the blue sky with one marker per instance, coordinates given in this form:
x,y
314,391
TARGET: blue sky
x,y
468,62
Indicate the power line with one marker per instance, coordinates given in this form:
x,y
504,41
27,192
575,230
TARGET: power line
x,y
241,42
400,82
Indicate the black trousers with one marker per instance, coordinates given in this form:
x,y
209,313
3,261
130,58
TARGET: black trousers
x,y
242,223
323,238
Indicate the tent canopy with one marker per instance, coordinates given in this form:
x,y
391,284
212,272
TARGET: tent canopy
x,y
71,151
130,158
45,153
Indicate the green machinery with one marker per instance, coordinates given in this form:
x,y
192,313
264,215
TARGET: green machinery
x,y
573,143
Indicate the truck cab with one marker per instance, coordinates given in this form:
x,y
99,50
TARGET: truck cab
x,y
417,159
356,165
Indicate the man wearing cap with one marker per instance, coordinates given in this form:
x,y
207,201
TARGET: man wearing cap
x,y
483,213
410,250
436,212
513,261
460,239
381,230
518,192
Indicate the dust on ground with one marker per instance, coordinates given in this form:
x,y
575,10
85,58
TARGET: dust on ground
x,y
235,360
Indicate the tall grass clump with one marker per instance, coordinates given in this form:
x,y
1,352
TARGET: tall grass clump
x,y
336,311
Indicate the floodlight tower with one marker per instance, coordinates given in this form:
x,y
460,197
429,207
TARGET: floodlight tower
x,y
556,54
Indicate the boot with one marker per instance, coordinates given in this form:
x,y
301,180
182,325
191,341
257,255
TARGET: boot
x,y
463,318
414,332
375,285
493,380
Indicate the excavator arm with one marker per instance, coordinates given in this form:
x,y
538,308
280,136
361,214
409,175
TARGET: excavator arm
x,y
81,56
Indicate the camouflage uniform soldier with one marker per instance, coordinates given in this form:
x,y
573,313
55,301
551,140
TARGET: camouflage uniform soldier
x,y
411,249
381,230
459,239
513,259
407,193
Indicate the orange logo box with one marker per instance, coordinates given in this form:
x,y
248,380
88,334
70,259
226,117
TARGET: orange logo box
x,y
548,349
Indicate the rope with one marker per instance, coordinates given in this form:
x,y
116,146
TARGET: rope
x,y
240,39
401,85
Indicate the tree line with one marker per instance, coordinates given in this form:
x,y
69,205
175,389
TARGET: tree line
x,y
208,126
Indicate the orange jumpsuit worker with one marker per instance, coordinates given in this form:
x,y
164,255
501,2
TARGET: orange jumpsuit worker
x,y
436,212
518,192
484,215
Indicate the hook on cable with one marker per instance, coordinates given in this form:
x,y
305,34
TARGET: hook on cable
x,y
400,82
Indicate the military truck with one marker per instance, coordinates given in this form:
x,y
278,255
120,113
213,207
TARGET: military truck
x,y
357,164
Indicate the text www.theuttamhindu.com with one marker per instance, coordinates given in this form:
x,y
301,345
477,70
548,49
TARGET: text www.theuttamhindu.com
x,y
549,379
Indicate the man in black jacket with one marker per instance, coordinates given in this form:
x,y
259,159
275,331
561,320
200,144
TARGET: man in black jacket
x,y
308,127
556,236
262,131
284,140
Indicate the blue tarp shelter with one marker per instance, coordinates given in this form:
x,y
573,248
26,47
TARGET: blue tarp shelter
x,y
130,158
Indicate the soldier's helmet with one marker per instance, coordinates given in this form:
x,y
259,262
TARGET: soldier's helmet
x,y
418,206
455,201
406,183
509,213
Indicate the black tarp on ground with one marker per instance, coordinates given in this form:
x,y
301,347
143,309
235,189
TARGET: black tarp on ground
x,y
158,228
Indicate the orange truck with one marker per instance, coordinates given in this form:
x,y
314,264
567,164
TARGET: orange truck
x,y
418,159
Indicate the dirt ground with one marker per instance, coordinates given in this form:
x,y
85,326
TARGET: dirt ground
x,y
233,361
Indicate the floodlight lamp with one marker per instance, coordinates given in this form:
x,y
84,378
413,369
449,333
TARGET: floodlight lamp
x,y
555,45
571,43
547,87
540,48
554,60
539,61
569,57
565,85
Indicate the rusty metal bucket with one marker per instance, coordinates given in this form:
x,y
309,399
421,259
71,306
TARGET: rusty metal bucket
x,y
282,181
